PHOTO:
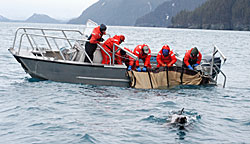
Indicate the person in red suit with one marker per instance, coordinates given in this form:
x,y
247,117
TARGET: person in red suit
x,y
165,57
94,39
142,52
108,46
192,58
123,57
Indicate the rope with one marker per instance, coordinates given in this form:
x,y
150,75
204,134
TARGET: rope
x,y
134,78
167,76
150,79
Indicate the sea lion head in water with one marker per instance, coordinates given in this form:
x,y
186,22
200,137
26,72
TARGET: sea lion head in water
x,y
179,118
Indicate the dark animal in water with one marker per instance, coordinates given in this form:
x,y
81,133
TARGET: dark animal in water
x,y
179,119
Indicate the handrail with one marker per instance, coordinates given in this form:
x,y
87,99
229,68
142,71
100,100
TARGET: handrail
x,y
67,39
128,52
105,52
28,40
86,54
45,29
31,40
46,40
55,37
216,49
31,44
37,47
225,77
119,47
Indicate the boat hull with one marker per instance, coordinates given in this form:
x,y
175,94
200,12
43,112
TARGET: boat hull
x,y
74,73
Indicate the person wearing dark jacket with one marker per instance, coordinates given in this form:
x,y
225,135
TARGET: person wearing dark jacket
x,y
94,39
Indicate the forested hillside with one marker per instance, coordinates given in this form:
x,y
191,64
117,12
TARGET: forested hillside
x,y
216,14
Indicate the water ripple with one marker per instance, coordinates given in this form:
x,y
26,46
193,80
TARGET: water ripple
x,y
153,119
168,104
88,139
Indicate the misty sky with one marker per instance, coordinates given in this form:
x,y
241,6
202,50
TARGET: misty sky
x,y
58,9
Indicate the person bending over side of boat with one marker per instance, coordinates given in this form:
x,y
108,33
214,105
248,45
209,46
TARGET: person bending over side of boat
x,y
142,52
108,46
192,58
94,39
122,57
165,57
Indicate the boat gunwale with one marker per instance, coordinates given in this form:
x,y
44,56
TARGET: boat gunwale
x,y
71,62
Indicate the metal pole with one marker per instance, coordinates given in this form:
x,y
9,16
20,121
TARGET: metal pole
x,y
222,55
58,49
113,55
128,52
28,39
34,41
46,39
21,44
67,39
105,52
212,63
15,37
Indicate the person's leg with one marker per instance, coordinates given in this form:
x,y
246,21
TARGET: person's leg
x,y
90,49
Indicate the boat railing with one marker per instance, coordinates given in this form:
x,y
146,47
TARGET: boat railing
x,y
105,52
127,52
32,42
45,36
43,32
112,58
54,39
214,67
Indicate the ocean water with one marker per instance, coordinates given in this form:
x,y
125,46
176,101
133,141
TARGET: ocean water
x,y
45,112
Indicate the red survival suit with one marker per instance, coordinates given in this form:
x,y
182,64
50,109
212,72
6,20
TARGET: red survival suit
x,y
124,58
188,60
96,35
166,60
108,46
145,57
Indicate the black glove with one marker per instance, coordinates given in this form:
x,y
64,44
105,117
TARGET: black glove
x,y
101,40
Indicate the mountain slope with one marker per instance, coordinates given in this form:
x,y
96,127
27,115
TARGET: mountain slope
x,y
41,18
216,14
117,12
162,15
4,19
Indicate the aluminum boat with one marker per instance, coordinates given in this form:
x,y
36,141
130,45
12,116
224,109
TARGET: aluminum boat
x,y
58,55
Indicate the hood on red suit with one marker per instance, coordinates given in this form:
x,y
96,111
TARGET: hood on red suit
x,y
120,38
166,47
